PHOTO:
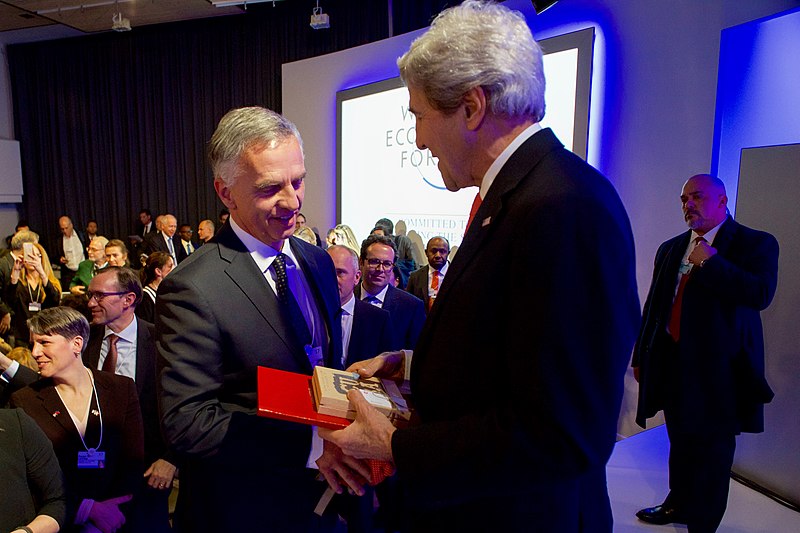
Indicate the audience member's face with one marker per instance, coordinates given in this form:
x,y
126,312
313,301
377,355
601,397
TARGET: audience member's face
x,y
96,252
144,218
91,228
107,309
445,135
704,204
115,256
204,231
65,225
437,253
169,225
168,266
186,233
223,218
377,275
379,231
301,221
347,273
267,192
55,353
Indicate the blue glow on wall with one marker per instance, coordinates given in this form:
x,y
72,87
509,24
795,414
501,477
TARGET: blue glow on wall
x,y
758,91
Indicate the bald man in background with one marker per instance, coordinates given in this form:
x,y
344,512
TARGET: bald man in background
x,y
700,351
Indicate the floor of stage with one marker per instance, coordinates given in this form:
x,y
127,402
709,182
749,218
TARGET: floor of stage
x,y
637,477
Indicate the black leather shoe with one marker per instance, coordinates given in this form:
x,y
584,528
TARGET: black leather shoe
x,y
660,515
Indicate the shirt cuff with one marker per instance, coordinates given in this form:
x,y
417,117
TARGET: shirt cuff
x,y
83,511
408,355
10,372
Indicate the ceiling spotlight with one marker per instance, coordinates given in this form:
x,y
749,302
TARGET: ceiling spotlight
x,y
120,23
319,20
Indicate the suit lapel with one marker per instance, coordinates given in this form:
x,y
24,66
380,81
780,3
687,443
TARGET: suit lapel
x,y
312,270
144,365
491,211
722,241
51,402
91,357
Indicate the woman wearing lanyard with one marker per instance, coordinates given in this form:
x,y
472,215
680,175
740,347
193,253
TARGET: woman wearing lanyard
x,y
32,287
91,417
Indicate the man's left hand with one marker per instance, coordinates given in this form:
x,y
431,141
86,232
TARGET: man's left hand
x,y
160,473
368,437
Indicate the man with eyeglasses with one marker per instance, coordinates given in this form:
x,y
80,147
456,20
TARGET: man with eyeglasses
x,y
184,245
124,344
378,254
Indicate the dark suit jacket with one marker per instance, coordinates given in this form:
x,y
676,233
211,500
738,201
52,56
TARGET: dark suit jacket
x,y
418,284
122,437
371,333
180,251
146,355
408,316
32,483
24,377
154,242
717,381
518,390
217,320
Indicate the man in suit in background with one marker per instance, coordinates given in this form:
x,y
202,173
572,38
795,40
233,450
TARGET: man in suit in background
x,y
700,352
253,296
366,329
205,231
124,344
517,385
424,283
184,245
162,240
407,311
70,250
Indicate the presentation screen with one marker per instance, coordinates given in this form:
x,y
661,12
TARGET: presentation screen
x,y
381,173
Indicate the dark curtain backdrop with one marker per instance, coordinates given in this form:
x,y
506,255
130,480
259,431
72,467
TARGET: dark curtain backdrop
x,y
111,123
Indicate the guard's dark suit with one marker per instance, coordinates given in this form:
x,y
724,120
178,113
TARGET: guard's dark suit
x,y
711,383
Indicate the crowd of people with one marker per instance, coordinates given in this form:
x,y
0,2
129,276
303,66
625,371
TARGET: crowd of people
x,y
515,348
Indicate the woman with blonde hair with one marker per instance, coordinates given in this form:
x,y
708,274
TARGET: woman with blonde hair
x,y
307,234
346,237
24,357
32,287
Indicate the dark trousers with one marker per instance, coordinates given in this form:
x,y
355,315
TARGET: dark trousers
x,y
66,277
699,475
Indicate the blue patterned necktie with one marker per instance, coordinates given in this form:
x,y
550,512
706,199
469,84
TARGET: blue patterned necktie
x,y
288,301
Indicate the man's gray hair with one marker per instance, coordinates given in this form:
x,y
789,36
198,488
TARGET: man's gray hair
x,y
242,128
478,44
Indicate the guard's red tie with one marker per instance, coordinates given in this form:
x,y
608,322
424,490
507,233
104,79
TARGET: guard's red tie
x,y
476,203
675,314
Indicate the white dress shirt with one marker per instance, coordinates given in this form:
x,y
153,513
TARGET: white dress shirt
x,y
126,350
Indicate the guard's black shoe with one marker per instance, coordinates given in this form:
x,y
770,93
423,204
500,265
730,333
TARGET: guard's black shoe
x,y
660,515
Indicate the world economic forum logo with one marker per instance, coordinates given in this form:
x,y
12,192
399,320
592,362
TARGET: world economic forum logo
x,y
421,162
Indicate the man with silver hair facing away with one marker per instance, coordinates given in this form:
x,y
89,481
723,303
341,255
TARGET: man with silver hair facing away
x,y
518,384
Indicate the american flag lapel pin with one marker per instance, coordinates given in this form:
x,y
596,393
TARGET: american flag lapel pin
x,y
56,413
